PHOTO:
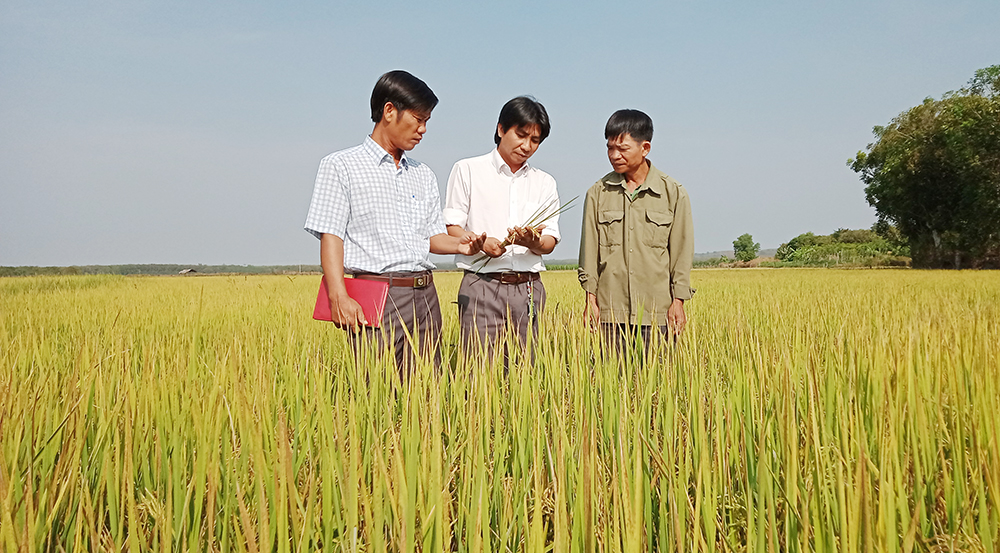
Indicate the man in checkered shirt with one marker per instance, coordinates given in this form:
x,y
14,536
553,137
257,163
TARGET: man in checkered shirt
x,y
377,214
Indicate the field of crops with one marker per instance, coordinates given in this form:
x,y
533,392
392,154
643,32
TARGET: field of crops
x,y
802,410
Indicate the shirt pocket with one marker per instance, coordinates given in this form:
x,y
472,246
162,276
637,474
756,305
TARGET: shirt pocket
x,y
414,210
610,227
656,233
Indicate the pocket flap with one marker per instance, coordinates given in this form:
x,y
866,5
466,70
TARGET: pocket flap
x,y
660,217
610,216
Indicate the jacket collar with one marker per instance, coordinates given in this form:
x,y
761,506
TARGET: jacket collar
x,y
655,181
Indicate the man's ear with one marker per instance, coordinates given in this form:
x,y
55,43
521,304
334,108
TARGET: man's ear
x,y
389,112
646,147
500,131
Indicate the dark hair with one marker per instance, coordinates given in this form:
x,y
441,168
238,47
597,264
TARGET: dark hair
x,y
402,90
632,122
520,112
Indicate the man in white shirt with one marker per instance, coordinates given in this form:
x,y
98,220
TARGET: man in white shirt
x,y
497,193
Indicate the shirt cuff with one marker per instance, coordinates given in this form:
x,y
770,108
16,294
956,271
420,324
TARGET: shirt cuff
x,y
681,291
318,233
588,282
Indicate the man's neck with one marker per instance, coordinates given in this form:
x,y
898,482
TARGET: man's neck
x,y
382,140
636,178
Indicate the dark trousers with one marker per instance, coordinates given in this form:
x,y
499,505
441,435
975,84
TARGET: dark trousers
x,y
411,324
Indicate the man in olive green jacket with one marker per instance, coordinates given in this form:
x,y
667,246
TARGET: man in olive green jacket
x,y
637,245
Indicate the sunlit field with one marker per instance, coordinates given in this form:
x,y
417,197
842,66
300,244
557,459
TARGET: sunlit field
x,y
802,410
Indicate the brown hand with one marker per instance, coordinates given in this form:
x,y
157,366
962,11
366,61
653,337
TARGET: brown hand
x,y
529,237
471,244
676,317
346,313
592,312
492,247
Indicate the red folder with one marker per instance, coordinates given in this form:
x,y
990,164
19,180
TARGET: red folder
x,y
370,294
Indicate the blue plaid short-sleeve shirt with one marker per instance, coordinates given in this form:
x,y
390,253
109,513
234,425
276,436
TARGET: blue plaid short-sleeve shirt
x,y
385,215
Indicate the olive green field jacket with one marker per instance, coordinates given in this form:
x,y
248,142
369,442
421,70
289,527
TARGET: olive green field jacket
x,y
636,251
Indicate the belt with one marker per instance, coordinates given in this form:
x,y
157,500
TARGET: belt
x,y
510,277
420,280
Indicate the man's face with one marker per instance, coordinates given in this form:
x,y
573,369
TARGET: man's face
x,y
625,154
406,128
517,144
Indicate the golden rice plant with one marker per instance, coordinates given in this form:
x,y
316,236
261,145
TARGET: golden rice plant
x,y
802,410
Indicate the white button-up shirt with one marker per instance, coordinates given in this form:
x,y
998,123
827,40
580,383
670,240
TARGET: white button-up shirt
x,y
484,196
385,214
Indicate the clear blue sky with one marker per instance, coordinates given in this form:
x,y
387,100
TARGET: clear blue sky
x,y
190,132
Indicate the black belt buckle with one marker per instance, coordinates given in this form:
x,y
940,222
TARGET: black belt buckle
x,y
420,281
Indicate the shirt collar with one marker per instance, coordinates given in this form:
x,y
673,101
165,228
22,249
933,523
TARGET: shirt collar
x,y
379,155
654,181
499,164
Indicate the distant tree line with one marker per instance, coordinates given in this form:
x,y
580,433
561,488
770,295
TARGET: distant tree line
x,y
157,269
174,269
882,245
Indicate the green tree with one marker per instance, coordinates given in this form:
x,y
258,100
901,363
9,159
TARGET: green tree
x,y
745,248
803,240
784,252
853,236
934,174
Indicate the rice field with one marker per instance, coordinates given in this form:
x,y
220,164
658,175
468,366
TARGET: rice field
x,y
802,410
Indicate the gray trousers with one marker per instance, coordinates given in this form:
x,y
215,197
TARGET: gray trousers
x,y
488,310
411,323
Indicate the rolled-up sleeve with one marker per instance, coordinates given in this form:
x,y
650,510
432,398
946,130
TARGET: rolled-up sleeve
x,y
456,200
330,208
587,272
681,248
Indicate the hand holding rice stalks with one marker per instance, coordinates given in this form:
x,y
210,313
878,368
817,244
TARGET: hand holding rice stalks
x,y
533,227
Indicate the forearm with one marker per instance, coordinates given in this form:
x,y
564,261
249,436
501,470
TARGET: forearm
x,y
456,231
443,244
344,311
545,245
331,257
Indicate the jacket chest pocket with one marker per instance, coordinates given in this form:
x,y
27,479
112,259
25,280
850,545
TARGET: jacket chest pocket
x,y
610,227
656,233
